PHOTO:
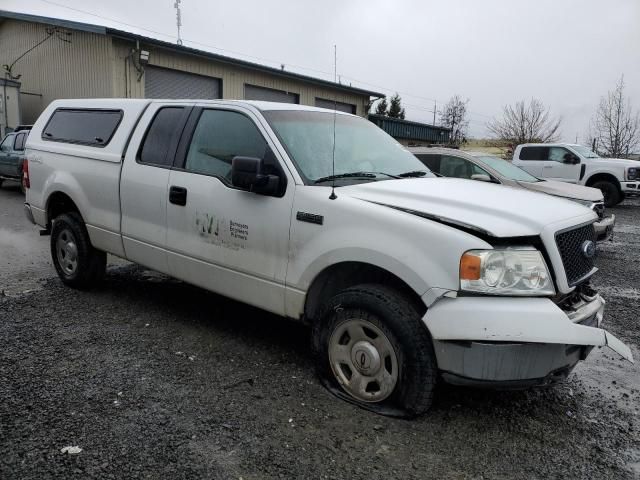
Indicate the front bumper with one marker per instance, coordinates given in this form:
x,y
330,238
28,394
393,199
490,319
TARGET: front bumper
x,y
630,187
503,341
604,228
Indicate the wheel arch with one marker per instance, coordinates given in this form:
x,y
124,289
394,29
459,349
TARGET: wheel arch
x,y
340,276
59,202
602,176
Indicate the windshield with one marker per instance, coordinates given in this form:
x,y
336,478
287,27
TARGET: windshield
x,y
584,151
508,169
360,146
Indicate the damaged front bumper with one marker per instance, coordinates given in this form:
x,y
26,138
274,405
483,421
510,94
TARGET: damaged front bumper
x,y
515,342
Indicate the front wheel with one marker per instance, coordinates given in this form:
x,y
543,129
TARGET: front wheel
x,y
372,350
610,192
78,264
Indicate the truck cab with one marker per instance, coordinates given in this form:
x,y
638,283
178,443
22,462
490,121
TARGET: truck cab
x,y
577,164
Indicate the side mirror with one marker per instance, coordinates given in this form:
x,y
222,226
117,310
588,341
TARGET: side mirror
x,y
247,174
571,159
481,177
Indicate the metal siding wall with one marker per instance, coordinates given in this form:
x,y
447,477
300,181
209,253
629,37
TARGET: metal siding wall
x,y
233,77
56,69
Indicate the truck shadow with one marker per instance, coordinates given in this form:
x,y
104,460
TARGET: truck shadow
x,y
270,335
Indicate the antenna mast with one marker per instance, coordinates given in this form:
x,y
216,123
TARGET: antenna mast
x,y
333,195
178,19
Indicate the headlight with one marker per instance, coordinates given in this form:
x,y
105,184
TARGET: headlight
x,y
586,203
505,272
633,173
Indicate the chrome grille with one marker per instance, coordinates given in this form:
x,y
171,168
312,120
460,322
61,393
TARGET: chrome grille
x,y
570,245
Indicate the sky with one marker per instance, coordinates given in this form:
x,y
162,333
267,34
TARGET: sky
x,y
566,53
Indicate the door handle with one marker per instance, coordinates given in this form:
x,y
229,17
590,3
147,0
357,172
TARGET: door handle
x,y
178,195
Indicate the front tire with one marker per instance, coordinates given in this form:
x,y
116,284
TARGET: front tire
x,y
78,264
610,192
372,349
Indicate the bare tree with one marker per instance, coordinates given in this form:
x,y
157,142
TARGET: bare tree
x,y
522,123
454,116
616,127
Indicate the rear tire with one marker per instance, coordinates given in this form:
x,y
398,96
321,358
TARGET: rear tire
x,y
610,191
372,349
78,264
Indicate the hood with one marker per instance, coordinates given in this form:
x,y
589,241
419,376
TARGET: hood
x,y
623,162
497,210
564,189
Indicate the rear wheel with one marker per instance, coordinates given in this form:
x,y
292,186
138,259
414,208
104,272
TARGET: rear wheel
x,y
372,350
609,191
78,264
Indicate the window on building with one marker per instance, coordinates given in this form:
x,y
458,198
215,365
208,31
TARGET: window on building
x,y
220,136
253,92
331,105
160,136
534,153
85,127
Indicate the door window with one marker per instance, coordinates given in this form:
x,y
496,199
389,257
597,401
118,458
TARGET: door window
x,y
456,167
20,140
430,160
5,146
557,154
534,153
219,136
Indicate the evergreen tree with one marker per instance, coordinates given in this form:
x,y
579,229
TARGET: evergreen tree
x,y
381,108
395,107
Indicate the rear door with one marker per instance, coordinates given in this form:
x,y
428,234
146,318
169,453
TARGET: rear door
x,y
533,159
556,166
144,184
222,238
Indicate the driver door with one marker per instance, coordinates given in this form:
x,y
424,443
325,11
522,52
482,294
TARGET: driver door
x,y
222,238
556,166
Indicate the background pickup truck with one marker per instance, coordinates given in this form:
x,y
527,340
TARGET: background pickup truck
x,y
577,164
12,155
320,216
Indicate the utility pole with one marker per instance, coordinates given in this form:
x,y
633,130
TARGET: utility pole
x,y
178,19
434,112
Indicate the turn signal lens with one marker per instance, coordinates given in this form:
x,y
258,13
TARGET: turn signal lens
x,y
470,267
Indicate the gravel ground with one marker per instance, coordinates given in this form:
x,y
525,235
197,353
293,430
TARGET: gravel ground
x,y
153,378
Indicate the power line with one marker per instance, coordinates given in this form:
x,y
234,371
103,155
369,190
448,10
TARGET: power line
x,y
262,59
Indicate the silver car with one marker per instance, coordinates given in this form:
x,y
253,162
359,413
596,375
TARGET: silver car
x,y
487,168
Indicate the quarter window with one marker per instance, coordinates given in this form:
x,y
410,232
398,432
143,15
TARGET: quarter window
x,y
162,133
85,127
220,136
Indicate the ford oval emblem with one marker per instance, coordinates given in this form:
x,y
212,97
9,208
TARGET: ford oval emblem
x,y
588,248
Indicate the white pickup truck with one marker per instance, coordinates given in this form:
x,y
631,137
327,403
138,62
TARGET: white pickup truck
x,y
615,177
322,217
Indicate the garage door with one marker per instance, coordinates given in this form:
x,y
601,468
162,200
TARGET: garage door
x,y
340,106
167,83
251,92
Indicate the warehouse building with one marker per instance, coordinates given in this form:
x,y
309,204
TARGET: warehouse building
x,y
412,133
53,58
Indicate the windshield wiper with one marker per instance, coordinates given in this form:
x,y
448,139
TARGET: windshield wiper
x,y
415,173
353,175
